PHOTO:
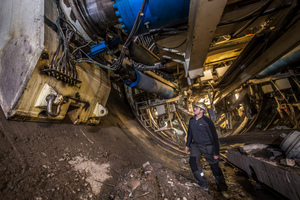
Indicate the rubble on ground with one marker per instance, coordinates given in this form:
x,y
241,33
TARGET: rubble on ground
x,y
152,181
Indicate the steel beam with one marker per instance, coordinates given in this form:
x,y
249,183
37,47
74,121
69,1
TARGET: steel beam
x,y
262,137
227,50
204,17
282,179
288,41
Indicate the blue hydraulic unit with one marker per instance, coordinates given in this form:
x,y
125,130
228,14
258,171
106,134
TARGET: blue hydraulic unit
x,y
98,49
157,13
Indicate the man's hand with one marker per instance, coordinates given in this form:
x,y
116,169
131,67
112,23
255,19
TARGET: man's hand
x,y
216,157
187,149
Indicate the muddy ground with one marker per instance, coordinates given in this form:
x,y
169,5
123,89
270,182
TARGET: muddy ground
x,y
115,160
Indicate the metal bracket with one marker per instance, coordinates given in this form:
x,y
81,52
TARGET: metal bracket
x,y
51,99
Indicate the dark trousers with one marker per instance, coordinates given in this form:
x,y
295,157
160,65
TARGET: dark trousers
x,y
207,151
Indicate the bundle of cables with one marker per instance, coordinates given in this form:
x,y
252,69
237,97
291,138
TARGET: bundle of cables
x,y
62,65
63,62
117,64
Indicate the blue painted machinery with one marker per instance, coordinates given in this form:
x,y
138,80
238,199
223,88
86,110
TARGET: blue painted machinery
x,y
97,16
98,49
157,13
135,17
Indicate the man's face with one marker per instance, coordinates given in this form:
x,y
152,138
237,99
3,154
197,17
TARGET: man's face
x,y
198,110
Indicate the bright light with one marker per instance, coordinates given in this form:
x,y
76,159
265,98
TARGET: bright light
x,y
207,103
215,101
202,100
236,96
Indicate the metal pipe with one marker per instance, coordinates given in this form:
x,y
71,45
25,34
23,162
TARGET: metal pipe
x,y
289,59
148,84
150,73
241,126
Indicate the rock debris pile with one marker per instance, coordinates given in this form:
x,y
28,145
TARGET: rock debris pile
x,y
152,181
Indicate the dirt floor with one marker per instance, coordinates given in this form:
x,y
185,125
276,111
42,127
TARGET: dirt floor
x,y
115,160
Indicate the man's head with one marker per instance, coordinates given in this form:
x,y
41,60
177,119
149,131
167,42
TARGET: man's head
x,y
200,105
199,108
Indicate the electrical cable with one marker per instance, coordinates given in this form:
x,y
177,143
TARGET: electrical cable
x,y
80,47
62,64
93,62
90,60
259,13
129,39
142,67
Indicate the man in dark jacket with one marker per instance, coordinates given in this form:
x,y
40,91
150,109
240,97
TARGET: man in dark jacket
x,y
203,140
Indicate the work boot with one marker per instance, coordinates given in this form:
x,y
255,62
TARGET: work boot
x,y
225,194
203,185
220,181
202,182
